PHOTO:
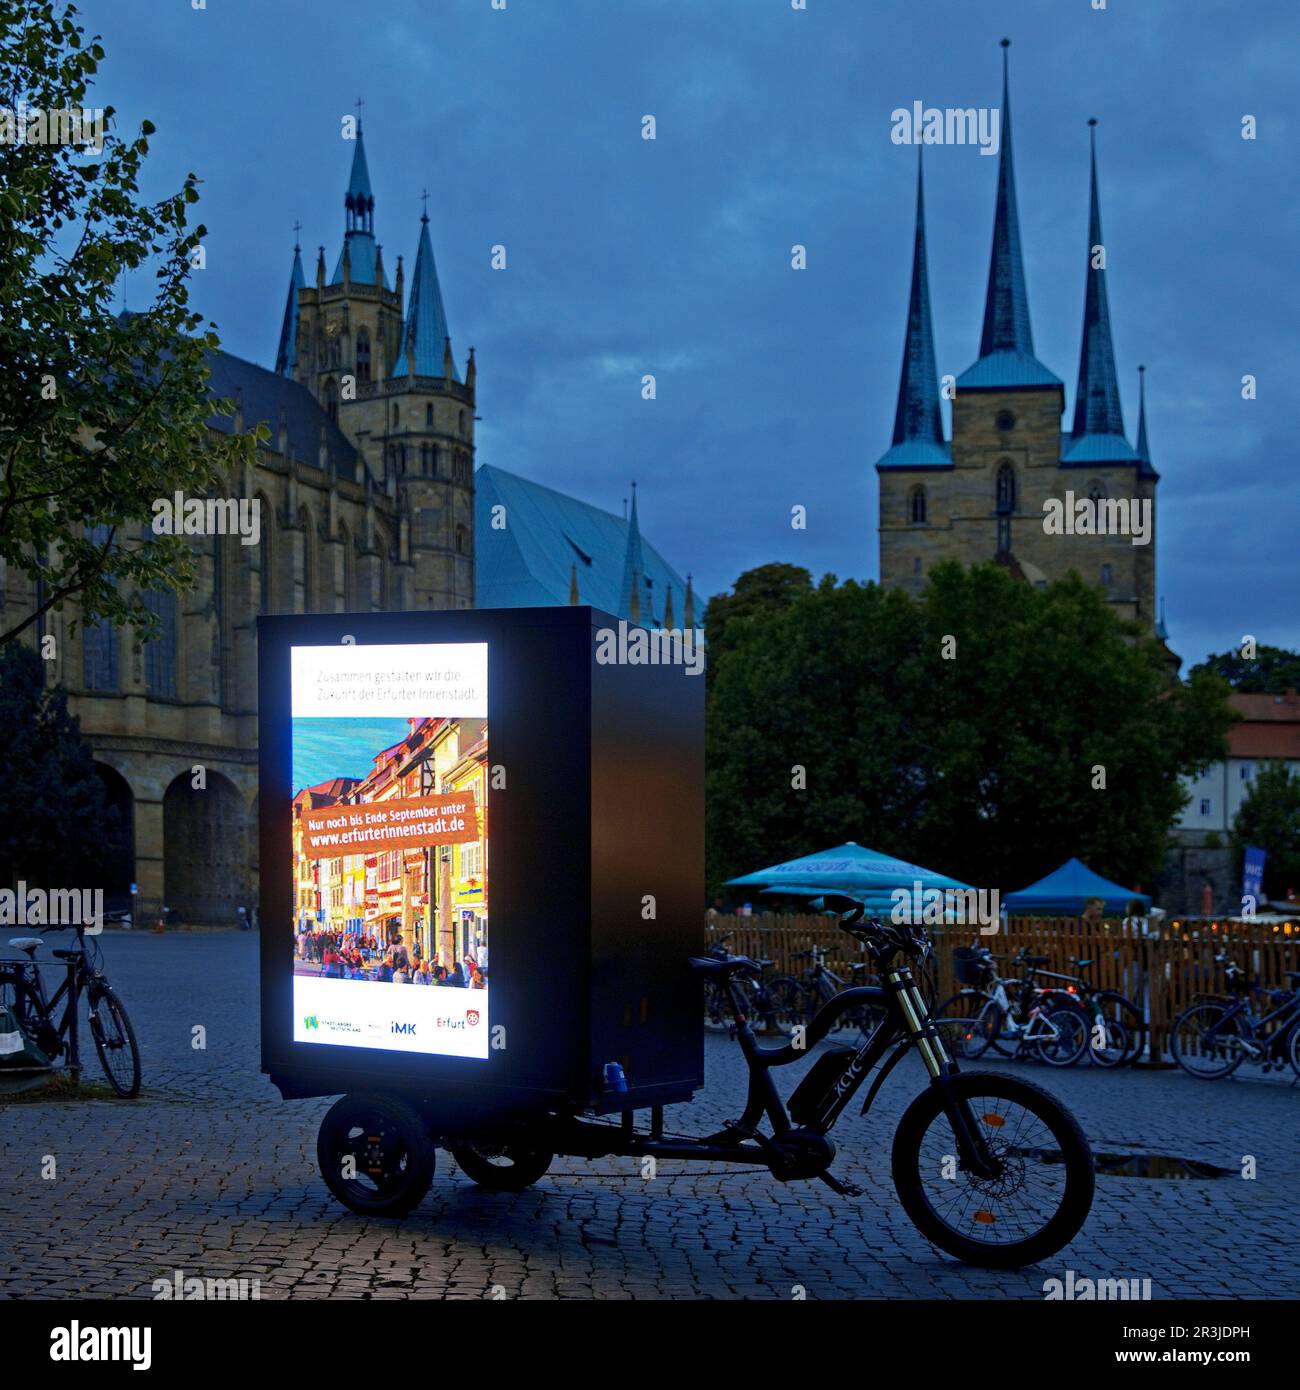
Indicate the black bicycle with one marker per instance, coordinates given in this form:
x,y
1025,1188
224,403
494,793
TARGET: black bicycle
x,y
775,1002
990,1168
1217,1033
821,984
22,990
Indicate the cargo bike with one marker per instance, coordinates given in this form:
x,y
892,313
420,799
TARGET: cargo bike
x,y
603,1018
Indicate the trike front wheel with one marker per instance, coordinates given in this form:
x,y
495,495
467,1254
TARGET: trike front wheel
x,y
1040,1187
376,1154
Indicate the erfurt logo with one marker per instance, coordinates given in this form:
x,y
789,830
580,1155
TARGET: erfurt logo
x,y
1098,516
949,125
77,1343
920,906
471,1017
406,1029
630,645
1098,1290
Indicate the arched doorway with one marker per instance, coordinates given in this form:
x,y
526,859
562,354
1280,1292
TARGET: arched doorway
x,y
205,843
116,869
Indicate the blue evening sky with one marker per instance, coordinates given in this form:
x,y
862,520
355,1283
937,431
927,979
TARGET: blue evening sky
x,y
334,747
775,387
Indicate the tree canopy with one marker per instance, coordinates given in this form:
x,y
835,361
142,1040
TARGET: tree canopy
x,y
1269,819
1271,671
989,730
100,412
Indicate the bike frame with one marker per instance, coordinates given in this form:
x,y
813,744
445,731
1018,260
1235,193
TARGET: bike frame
x,y
1282,1019
77,979
907,1024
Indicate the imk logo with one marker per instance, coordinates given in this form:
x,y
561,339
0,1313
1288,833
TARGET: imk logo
x,y
471,1017
407,1029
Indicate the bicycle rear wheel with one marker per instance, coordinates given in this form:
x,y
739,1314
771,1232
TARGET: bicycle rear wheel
x,y
1205,1042
1065,1037
115,1042
1032,1205
969,1022
1118,1031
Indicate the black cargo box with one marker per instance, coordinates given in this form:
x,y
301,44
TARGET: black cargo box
x,y
561,846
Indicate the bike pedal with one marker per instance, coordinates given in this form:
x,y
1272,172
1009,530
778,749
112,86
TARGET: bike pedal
x,y
845,1189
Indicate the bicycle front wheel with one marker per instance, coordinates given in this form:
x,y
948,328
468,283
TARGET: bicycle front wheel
x,y
115,1042
1038,1194
1124,1028
1061,1036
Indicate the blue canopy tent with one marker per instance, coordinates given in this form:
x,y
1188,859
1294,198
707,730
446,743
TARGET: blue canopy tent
x,y
850,868
1066,891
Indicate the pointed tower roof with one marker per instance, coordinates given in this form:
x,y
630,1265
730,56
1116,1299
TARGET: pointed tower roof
x,y
1098,434
425,332
1007,342
1143,450
359,233
636,597
287,353
918,426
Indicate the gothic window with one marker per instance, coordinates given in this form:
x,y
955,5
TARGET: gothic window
x,y
462,541
160,653
1105,576
428,417
916,510
916,566
336,351
1006,489
396,414
462,422
99,639
363,355
264,589
332,400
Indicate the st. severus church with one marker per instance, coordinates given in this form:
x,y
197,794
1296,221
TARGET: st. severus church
x,y
982,495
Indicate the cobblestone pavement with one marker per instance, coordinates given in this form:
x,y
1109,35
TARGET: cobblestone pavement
x,y
209,1172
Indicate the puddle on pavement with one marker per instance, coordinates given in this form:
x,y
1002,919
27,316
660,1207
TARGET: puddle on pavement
x,y
1141,1165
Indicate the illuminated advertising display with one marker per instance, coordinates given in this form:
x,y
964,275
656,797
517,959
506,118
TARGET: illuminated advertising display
x,y
389,857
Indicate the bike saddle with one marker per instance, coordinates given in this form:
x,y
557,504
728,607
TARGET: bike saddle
x,y
26,943
709,965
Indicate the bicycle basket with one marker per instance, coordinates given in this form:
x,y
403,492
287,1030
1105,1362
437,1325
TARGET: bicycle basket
x,y
968,965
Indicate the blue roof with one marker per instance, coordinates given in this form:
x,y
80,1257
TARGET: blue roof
x,y
426,320
1143,449
359,181
915,453
362,253
848,868
1096,448
529,562
1002,370
1067,890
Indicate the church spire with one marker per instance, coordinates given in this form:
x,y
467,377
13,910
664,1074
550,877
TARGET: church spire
x,y
1098,434
287,353
634,600
425,336
359,250
1143,450
918,426
1007,341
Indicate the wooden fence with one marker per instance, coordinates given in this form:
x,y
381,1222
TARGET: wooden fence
x,y
1159,969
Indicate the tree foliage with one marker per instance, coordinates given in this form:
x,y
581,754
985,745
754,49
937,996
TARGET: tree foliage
x,y
1272,671
56,830
988,730
100,413
1269,819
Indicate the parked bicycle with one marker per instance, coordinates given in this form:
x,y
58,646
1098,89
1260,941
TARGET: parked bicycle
x,y
821,984
1218,1032
1014,1016
1116,1028
775,1003
22,990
